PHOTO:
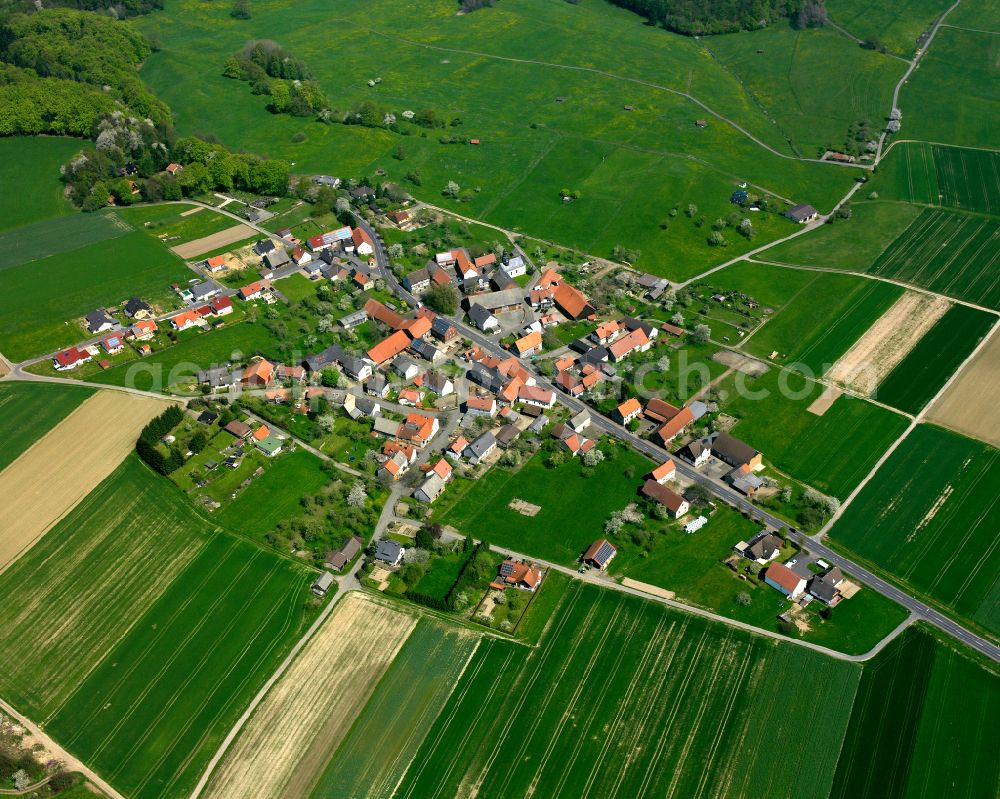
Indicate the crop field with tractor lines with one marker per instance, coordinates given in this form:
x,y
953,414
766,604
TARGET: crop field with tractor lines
x,y
623,725
929,518
29,410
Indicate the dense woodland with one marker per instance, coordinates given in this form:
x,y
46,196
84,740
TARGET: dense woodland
x,y
696,17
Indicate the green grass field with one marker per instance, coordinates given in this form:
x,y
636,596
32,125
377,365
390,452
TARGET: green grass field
x,y
572,513
959,64
949,253
968,179
771,286
850,245
929,517
180,363
908,172
603,707
399,714
832,452
897,23
821,322
29,410
42,299
29,173
788,73
921,725
500,73
166,223
926,368
157,632
60,235
275,494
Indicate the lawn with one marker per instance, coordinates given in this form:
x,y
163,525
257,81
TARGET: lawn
x,y
29,173
44,298
771,286
926,368
959,64
442,574
822,321
929,518
921,724
949,253
851,244
56,236
275,494
179,364
573,505
631,167
399,714
601,707
832,452
896,23
789,73
173,223
29,410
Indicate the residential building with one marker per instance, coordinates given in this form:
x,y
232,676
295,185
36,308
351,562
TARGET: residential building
x,y
338,559
664,472
696,453
389,552
405,367
69,359
389,348
481,406
136,308
528,345
481,447
675,504
628,410
143,330
522,574
258,373
779,576
443,330
802,213
430,489
826,586
534,395
438,383
483,319
99,321
185,320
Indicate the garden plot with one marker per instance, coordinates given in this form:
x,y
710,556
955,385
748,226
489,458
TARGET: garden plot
x,y
285,746
888,341
60,469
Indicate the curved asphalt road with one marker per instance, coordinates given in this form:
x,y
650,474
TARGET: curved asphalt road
x,y
719,489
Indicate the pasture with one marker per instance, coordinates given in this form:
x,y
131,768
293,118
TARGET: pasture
x,y
44,298
174,223
29,173
852,245
896,23
275,494
401,711
949,253
29,410
572,512
929,517
153,710
942,349
832,452
55,236
961,64
822,321
601,708
921,724
788,72
499,74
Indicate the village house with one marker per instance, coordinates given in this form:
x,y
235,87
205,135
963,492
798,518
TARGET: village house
x,y
528,345
185,320
239,429
780,577
438,383
677,421
675,504
377,386
481,447
203,292
389,347
389,552
220,378
405,368
69,359
255,290
537,396
137,308
580,421
394,467
482,318
430,489
443,330
143,330
628,410
635,341
221,306
480,405
522,574
599,554
826,586
456,448
339,558
664,472
695,452
731,450
258,373
215,264
113,344
99,321
762,548
427,351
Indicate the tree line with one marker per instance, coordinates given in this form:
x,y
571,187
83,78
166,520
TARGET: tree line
x,y
152,433
699,17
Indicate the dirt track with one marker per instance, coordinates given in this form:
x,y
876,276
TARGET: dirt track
x,y
888,341
287,743
971,405
62,467
230,235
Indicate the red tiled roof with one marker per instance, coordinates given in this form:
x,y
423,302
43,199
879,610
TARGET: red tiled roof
x,y
665,496
550,277
664,470
381,313
221,303
571,301
627,343
417,328
779,573
359,237
485,260
532,341
683,418
630,406
389,347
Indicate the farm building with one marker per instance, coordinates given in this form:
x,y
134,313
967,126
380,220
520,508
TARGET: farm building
x,y
802,213
731,450
599,554
675,504
323,584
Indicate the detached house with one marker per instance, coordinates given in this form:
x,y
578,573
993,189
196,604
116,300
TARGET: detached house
x,y
675,504
780,577
98,321
628,410
70,359
522,574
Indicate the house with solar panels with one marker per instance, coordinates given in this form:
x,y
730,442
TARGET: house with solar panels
x,y
599,554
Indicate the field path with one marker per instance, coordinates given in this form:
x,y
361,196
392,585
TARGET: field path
x,y
47,481
58,753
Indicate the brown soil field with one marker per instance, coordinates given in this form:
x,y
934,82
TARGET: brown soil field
x,y
287,743
63,466
888,341
822,403
971,405
230,235
741,363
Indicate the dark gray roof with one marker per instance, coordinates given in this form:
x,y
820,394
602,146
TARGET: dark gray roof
x,y
764,546
435,381
732,450
490,379
263,247
353,366
205,290
97,318
441,325
482,445
424,349
388,551
595,355
331,355
402,364
220,376
822,590
479,315
800,212
501,281
633,323
366,405
134,305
